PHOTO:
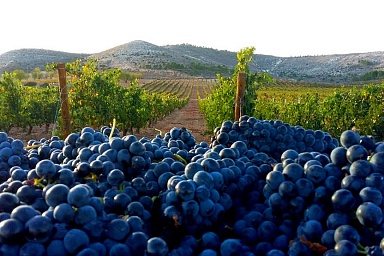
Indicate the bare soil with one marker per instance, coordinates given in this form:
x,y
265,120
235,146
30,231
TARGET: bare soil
x,y
188,117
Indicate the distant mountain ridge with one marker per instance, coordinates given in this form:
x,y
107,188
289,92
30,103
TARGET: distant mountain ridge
x,y
28,59
185,60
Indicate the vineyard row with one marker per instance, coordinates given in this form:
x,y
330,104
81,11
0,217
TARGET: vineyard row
x,y
329,108
95,97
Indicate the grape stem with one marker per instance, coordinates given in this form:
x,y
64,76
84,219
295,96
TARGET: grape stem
x,y
113,128
180,158
160,132
33,146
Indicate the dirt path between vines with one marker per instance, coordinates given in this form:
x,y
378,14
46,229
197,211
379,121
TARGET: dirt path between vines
x,y
188,117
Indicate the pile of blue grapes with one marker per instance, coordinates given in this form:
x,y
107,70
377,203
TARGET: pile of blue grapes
x,y
259,187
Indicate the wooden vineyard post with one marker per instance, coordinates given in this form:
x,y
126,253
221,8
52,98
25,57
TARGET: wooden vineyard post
x,y
64,99
239,95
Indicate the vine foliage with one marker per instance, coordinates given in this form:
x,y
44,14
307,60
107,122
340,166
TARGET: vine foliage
x,y
220,104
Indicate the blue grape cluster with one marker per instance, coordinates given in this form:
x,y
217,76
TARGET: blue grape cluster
x,y
259,187
273,137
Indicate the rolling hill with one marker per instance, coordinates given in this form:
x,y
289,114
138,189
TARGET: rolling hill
x,y
188,60
28,59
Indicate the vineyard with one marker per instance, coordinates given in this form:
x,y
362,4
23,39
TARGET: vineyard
x,y
309,105
97,98
326,107
290,176
329,108
182,87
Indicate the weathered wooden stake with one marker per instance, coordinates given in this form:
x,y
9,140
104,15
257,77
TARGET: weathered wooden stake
x,y
64,99
239,95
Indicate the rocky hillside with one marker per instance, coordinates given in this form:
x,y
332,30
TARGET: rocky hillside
x,y
29,59
186,60
326,68
179,60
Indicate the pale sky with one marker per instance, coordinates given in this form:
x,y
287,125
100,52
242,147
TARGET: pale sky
x,y
277,27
